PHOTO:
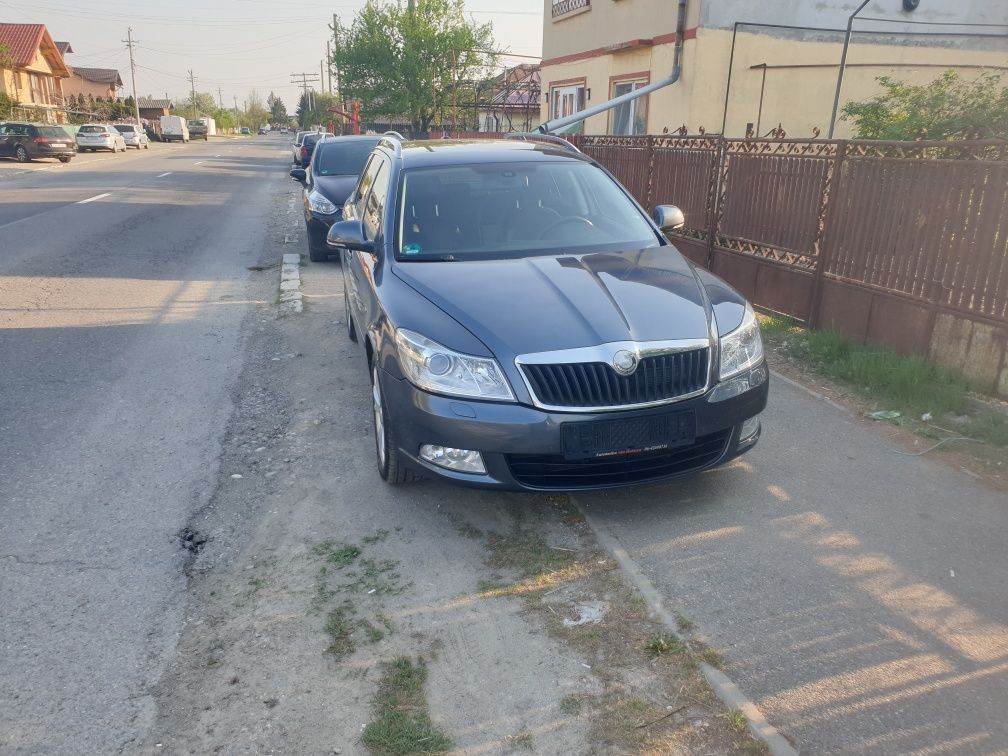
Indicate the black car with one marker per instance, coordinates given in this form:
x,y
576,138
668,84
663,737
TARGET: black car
x,y
528,326
328,180
29,141
303,150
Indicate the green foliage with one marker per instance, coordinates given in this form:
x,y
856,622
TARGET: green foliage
x,y
6,105
225,118
311,110
401,724
6,59
204,104
277,109
948,107
405,60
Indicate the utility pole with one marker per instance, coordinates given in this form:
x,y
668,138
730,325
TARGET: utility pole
x,y
321,71
129,43
220,98
843,66
192,84
339,91
328,55
306,79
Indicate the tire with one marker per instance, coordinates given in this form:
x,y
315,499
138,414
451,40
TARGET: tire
x,y
390,461
64,159
21,155
351,332
314,253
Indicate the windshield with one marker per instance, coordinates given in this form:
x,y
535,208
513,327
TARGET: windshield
x,y
91,129
51,132
125,129
336,158
516,210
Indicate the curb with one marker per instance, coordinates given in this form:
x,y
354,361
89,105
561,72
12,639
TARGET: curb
x,y
290,285
725,689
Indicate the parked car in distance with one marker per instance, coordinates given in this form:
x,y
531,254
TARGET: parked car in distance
x,y
133,136
283,129
99,136
174,129
30,141
331,175
262,131
528,326
303,153
198,130
246,130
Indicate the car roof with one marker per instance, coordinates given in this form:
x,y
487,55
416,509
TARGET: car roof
x,y
418,154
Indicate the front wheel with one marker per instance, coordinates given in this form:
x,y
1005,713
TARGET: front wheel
x,y
315,254
390,461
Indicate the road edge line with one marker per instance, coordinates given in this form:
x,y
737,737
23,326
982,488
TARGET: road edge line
x,y
290,285
724,687
777,376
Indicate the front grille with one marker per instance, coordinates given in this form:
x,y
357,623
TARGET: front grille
x,y
543,471
658,378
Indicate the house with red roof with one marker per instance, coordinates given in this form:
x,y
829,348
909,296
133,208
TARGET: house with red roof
x,y
31,72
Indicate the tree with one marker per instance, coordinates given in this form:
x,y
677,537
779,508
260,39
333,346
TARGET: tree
x,y
6,58
277,109
312,109
408,60
945,108
205,104
224,118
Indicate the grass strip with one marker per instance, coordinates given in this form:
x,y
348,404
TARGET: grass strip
x,y
401,724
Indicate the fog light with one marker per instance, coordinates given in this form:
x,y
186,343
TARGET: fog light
x,y
749,430
462,460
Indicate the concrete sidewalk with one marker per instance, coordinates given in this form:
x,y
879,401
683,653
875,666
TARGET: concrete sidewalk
x,y
860,595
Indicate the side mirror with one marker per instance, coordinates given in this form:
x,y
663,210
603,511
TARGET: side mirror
x,y
349,234
669,217
299,174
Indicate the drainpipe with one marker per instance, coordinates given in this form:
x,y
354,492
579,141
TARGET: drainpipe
x,y
843,65
561,125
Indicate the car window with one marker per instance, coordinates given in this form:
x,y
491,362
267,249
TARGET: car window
x,y
374,209
342,158
516,210
50,132
125,128
90,129
366,179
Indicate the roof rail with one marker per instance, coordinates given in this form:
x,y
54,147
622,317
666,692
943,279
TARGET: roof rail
x,y
393,140
536,137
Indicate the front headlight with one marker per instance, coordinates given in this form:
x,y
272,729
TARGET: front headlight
x,y
320,204
742,348
438,369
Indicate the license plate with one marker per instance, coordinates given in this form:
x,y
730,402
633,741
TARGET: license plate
x,y
615,438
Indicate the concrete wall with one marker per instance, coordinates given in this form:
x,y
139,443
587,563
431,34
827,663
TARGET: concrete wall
x,y
798,98
76,85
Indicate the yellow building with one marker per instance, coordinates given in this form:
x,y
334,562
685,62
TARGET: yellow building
x,y
97,82
31,72
782,55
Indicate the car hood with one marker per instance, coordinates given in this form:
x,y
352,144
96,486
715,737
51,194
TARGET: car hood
x,y
335,188
540,304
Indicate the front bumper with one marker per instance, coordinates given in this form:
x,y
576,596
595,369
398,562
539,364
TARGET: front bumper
x,y
522,446
318,226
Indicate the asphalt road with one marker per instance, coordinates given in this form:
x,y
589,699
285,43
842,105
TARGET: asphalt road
x,y
123,289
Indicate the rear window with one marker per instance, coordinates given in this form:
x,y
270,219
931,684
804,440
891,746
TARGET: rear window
x,y
311,139
51,132
91,129
336,158
125,128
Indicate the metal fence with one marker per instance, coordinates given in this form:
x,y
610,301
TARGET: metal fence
x,y
876,239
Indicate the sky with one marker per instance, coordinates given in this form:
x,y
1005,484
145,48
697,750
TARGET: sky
x,y
231,45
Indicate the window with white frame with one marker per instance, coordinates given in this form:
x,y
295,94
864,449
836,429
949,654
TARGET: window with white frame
x,y
628,118
567,100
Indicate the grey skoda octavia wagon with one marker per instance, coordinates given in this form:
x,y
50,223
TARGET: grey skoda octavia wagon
x,y
528,326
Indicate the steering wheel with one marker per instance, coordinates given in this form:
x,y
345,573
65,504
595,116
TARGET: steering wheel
x,y
577,219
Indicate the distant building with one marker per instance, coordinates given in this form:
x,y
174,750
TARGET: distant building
x,y
510,101
98,82
35,74
783,56
152,109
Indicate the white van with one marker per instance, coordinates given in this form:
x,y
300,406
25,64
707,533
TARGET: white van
x,y
174,129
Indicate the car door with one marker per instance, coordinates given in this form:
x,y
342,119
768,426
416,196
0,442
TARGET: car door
x,y
5,148
373,221
352,270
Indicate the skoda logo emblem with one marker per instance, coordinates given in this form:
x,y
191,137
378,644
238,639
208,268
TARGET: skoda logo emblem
x,y
624,362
